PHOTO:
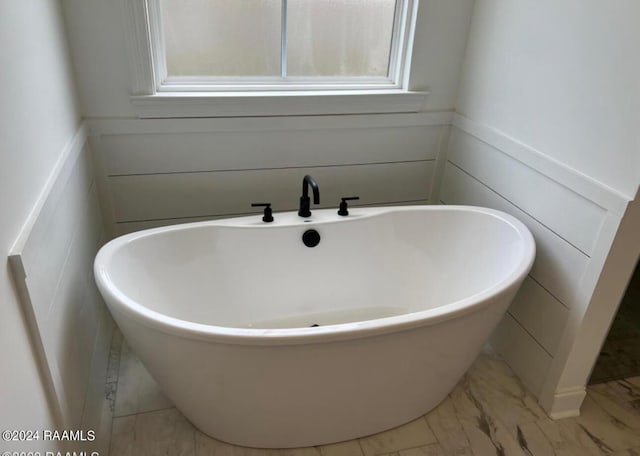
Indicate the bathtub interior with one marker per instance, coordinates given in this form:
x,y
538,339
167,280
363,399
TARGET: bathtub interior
x,y
365,267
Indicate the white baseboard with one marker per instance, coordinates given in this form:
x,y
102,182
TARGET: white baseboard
x,y
566,404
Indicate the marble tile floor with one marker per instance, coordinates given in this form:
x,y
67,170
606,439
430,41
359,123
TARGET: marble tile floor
x,y
488,413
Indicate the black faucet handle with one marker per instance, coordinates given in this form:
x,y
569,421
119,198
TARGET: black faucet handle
x,y
343,204
268,214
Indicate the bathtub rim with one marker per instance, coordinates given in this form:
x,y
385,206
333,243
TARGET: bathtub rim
x,y
121,304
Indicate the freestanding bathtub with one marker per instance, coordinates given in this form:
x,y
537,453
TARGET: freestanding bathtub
x,y
223,315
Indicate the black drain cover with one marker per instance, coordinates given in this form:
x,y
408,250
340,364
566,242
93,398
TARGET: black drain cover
x,y
311,238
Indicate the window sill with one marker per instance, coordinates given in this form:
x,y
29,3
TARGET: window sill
x,y
294,103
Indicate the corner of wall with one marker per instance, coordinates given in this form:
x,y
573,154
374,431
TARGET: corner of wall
x,y
52,262
604,285
552,332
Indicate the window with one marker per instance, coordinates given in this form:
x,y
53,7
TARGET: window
x,y
207,49
285,43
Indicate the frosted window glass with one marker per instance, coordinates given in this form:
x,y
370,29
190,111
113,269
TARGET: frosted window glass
x,y
339,37
222,37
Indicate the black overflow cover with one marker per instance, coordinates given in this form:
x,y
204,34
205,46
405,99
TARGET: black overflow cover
x,y
311,238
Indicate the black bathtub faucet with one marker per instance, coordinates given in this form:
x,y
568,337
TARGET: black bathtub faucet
x,y
305,203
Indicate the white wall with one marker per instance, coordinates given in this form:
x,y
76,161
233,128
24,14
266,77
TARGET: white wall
x,y
439,46
39,116
546,129
162,171
40,126
563,78
554,88
97,38
159,171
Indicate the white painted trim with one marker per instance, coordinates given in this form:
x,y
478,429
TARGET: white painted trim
x,y
284,37
139,52
573,217
267,84
559,266
440,163
411,25
600,292
156,41
243,104
56,409
583,185
99,169
566,404
61,170
132,126
154,95
595,296
403,25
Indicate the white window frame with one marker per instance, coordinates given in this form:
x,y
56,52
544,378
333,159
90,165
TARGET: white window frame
x,y
156,95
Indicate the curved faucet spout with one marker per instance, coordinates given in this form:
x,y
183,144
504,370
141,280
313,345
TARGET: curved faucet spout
x,y
310,181
305,203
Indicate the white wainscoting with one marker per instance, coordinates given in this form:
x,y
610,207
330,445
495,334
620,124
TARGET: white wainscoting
x,y
161,171
52,262
558,266
569,216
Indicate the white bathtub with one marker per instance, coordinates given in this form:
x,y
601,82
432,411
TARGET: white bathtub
x,y
220,313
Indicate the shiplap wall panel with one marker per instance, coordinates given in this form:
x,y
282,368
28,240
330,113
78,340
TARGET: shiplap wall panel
x,y
529,190
57,223
569,215
134,126
524,354
162,196
211,151
52,263
96,413
73,320
130,227
65,333
558,266
158,171
540,314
